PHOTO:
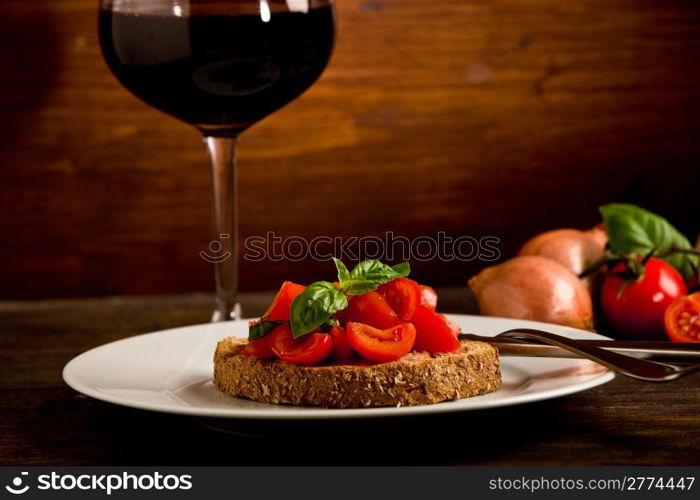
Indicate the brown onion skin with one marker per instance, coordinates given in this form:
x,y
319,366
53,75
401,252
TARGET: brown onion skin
x,y
533,288
599,235
573,249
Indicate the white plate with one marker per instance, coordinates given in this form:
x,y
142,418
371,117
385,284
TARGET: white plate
x,y
171,371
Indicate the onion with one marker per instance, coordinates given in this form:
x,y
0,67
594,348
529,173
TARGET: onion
x,y
534,288
573,249
599,235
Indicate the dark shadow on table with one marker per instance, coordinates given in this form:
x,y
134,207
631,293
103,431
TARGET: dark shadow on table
x,y
96,433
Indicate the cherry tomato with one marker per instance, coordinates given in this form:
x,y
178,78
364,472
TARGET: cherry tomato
x,y
402,295
639,310
258,348
310,349
370,309
342,349
682,319
434,332
379,345
428,297
282,303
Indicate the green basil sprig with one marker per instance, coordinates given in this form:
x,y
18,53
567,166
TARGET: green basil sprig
x,y
635,231
368,275
262,327
314,306
320,300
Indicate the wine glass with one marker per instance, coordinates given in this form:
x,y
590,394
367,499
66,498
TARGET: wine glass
x,y
220,65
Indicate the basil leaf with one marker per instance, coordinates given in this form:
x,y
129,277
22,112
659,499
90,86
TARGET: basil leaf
x,y
314,306
343,273
632,229
369,274
257,330
331,323
403,269
359,287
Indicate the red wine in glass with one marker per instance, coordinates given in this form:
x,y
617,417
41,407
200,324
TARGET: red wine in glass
x,y
220,65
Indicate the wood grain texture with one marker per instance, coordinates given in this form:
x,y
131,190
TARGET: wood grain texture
x,y
488,117
44,422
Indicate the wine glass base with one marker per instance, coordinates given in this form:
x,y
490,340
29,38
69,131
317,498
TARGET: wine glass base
x,y
228,314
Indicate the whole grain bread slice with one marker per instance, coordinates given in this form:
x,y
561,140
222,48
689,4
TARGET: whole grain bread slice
x,y
416,379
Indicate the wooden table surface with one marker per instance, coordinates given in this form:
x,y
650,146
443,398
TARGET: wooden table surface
x,y
44,422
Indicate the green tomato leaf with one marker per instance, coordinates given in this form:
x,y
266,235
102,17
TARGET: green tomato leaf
x,y
369,274
314,307
633,230
262,327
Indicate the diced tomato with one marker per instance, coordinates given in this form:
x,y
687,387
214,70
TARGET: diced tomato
x,y
402,295
682,319
310,349
342,315
428,297
434,332
342,350
258,348
454,327
370,309
379,345
282,303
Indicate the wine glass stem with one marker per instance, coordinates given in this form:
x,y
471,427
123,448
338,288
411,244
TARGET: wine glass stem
x,y
222,152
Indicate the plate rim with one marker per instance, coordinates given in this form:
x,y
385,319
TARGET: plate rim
x,y
328,413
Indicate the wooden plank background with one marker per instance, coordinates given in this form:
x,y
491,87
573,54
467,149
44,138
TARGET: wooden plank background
x,y
480,117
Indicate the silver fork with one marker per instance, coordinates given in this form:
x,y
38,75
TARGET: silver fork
x,y
641,369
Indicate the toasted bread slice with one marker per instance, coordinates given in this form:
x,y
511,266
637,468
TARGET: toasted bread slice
x,y
418,378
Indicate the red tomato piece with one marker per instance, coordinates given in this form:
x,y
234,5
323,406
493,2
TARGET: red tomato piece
x,y
310,349
342,315
428,297
380,345
435,333
402,295
370,309
682,319
342,349
258,348
282,303
638,312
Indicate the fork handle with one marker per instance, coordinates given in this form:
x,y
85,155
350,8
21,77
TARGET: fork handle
x,y
656,351
637,368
